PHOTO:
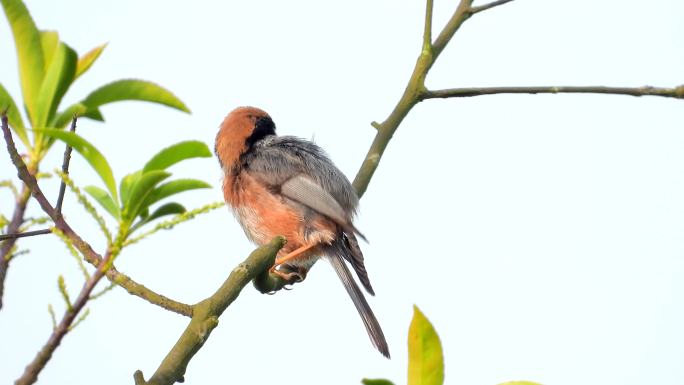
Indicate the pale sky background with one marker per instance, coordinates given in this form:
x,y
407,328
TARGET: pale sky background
x,y
542,235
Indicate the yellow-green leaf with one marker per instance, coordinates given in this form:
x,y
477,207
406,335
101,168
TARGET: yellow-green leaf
x,y
96,160
426,362
104,199
29,51
49,41
58,78
133,89
13,115
176,153
87,60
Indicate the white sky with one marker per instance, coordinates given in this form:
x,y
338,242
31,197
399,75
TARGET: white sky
x,y
542,235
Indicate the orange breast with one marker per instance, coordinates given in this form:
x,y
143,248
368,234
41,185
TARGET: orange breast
x,y
262,213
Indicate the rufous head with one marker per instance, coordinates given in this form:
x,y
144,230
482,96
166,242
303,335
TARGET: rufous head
x,y
241,128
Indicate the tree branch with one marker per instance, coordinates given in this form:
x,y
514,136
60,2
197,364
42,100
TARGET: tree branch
x,y
677,92
412,94
31,372
90,255
484,7
25,234
12,228
427,33
65,169
206,314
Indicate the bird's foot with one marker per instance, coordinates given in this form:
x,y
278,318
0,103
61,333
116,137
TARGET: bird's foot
x,y
290,274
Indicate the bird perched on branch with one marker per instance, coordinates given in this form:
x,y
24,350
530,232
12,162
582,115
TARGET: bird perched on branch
x,y
283,185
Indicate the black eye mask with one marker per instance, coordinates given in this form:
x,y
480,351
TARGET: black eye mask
x,y
263,127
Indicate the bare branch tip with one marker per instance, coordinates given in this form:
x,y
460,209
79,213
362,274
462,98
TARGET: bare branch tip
x,y
427,34
484,7
679,92
138,378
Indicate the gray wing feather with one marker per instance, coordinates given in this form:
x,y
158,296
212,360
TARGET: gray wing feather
x,y
278,159
309,193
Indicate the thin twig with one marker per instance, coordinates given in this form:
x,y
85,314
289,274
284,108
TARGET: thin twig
x,y
90,255
677,92
13,227
484,7
411,96
24,234
427,33
31,372
65,169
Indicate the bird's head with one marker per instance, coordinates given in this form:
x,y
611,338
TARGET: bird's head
x,y
240,130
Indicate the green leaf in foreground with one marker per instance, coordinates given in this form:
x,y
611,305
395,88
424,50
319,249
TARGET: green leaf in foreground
x,y
96,160
132,89
376,381
176,153
426,362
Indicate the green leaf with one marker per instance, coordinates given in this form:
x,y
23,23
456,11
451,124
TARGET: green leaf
x,y
139,192
49,41
376,381
93,114
63,118
90,153
58,78
426,362
104,199
174,187
87,60
172,208
29,51
520,383
132,89
13,115
176,153
126,183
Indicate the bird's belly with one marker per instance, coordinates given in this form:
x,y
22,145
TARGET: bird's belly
x,y
264,215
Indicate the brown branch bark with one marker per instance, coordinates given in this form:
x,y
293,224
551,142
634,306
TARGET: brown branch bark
x,y
90,255
18,218
25,234
13,227
41,359
65,169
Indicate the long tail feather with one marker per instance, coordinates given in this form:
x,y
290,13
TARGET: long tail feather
x,y
369,321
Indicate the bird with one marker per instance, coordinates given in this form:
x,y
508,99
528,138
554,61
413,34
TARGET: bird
x,y
288,186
